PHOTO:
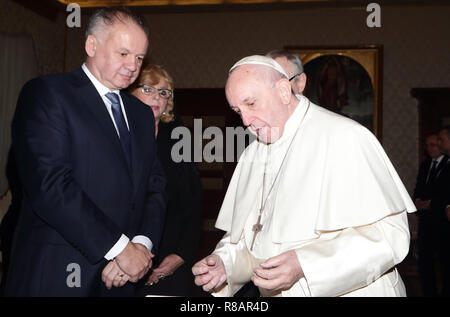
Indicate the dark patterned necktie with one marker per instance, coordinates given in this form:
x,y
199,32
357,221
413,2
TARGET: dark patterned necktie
x,y
124,134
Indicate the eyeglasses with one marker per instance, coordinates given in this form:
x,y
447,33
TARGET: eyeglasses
x,y
149,90
293,77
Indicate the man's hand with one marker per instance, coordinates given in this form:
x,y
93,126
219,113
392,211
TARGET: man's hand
x,y
209,273
422,204
166,268
112,275
135,260
279,272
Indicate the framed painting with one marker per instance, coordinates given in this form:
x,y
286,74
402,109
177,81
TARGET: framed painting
x,y
346,80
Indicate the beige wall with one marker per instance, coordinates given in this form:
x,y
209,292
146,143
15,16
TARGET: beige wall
x,y
48,36
48,40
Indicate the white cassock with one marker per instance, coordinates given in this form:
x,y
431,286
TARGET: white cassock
x,y
332,195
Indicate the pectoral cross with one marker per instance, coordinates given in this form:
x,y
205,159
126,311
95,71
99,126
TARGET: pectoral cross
x,y
257,227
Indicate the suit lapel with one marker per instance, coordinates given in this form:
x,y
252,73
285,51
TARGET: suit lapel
x,y
93,102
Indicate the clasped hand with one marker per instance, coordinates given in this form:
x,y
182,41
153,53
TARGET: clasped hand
x,y
422,204
167,267
277,273
130,265
209,273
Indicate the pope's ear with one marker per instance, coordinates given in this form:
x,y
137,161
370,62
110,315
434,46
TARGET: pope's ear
x,y
91,45
285,90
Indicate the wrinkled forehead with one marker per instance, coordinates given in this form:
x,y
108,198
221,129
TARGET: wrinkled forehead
x,y
246,83
253,74
246,76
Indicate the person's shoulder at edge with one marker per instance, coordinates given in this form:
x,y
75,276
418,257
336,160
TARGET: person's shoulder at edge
x,y
337,125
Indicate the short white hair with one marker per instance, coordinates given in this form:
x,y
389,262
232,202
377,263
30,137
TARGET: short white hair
x,y
291,57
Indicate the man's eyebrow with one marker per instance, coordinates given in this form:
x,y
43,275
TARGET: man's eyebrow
x,y
249,99
126,50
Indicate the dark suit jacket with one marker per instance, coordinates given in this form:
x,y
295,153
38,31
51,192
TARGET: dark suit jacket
x,y
9,221
79,196
441,191
422,191
429,191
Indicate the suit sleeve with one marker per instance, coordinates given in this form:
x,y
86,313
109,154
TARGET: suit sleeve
x,y
41,141
441,194
153,216
418,190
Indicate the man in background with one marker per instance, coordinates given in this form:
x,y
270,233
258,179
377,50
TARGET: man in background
x,y
293,67
441,203
429,220
93,205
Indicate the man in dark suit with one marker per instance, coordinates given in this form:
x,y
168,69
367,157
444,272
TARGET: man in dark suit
x,y
441,203
428,237
9,221
94,202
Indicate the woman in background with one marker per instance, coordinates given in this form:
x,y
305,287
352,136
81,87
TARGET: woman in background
x,y
171,274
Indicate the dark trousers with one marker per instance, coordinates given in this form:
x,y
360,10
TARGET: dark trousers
x,y
434,253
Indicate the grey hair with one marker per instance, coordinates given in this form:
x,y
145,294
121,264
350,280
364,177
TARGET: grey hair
x,y
292,57
108,16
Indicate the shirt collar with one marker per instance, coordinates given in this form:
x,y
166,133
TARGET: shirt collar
x,y
438,159
102,89
291,125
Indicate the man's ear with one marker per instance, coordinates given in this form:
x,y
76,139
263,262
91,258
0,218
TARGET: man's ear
x,y
285,90
301,83
91,45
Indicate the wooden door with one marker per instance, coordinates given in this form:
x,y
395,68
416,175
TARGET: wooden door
x,y
434,112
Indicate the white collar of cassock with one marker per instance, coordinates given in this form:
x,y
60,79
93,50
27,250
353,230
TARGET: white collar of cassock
x,y
292,124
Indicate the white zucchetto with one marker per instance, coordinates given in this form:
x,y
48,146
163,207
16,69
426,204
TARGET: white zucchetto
x,y
260,60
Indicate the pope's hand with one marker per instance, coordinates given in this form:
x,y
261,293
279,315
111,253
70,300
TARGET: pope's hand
x,y
209,273
279,272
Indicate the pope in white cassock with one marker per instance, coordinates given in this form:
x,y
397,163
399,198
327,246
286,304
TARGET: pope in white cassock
x,y
314,207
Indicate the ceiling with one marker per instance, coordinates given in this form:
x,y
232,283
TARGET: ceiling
x,y
102,3
149,3
51,8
